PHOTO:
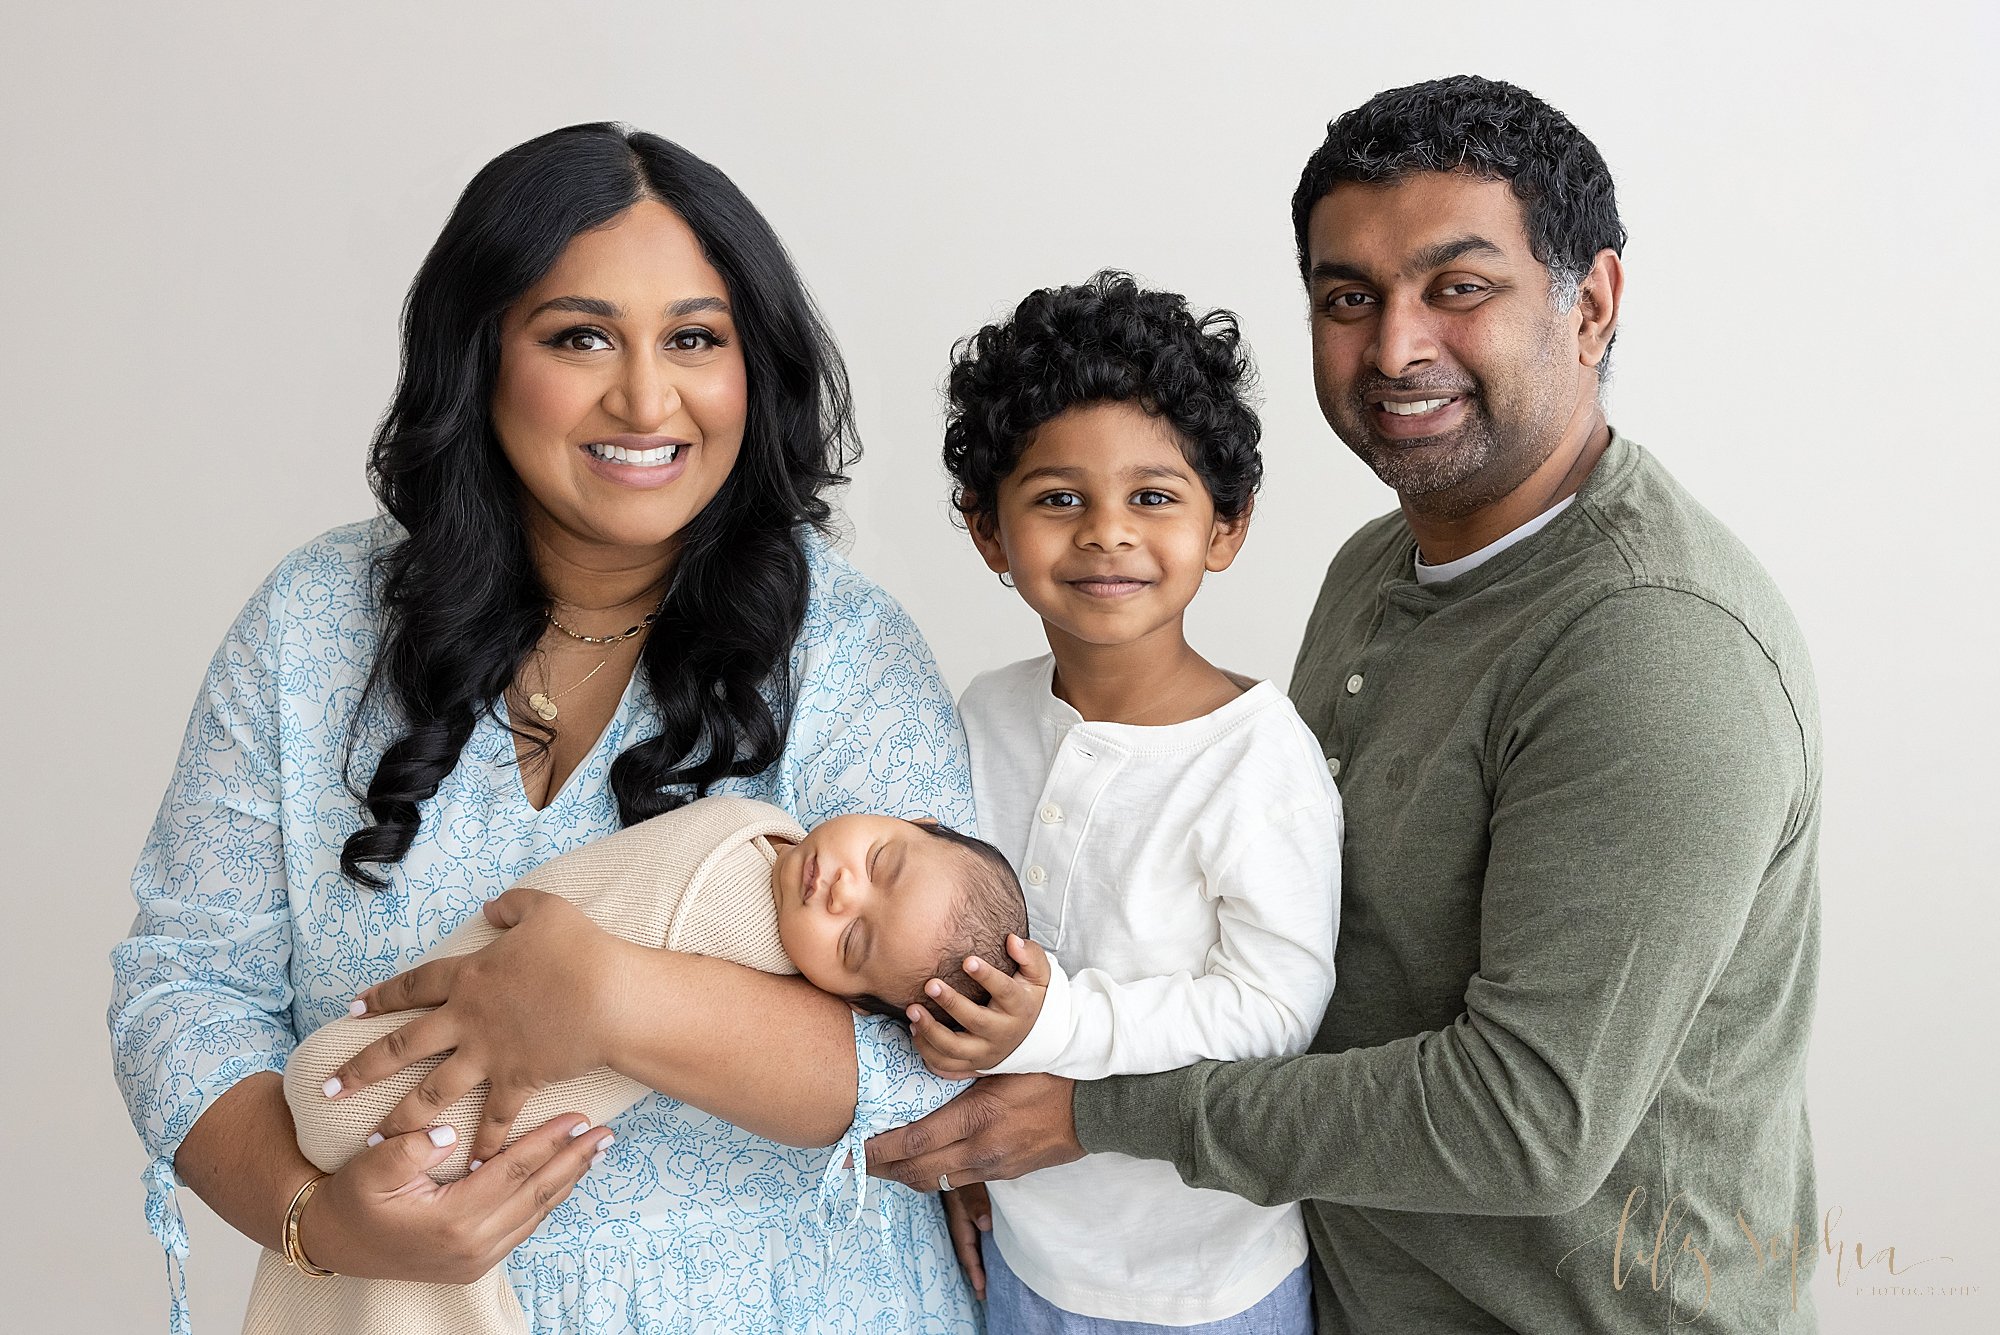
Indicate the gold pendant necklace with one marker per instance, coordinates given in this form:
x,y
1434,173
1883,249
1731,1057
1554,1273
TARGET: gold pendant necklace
x,y
544,704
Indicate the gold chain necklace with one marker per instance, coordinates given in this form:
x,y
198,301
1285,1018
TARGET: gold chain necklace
x,y
544,704
619,638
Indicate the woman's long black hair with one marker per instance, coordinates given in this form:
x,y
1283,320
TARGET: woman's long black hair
x,y
462,603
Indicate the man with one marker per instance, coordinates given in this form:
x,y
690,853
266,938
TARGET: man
x,y
1576,736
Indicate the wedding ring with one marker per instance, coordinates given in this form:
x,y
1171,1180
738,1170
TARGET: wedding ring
x,y
944,1182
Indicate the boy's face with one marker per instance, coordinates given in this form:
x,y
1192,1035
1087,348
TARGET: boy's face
x,y
868,904
1106,528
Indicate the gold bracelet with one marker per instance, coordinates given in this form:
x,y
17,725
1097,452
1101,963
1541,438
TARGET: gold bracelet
x,y
295,1255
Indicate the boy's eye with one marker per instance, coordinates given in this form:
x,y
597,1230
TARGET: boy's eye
x,y
1061,500
1152,498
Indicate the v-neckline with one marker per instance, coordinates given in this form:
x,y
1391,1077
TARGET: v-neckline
x,y
513,754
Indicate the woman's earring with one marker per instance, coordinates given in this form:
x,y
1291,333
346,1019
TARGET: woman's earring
x,y
1005,580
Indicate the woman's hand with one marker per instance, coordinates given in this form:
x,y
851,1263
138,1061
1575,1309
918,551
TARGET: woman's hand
x,y
382,1217
968,1212
538,1005
992,1031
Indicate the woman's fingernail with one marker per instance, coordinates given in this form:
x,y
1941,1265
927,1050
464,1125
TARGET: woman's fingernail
x,y
374,1139
357,1007
596,1160
604,1142
576,1131
442,1136
331,1087
473,1167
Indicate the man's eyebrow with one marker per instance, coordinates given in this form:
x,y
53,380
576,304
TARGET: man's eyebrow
x,y
1430,258
1444,252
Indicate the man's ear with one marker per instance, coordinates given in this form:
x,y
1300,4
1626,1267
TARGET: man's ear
x,y
1597,307
1226,539
985,531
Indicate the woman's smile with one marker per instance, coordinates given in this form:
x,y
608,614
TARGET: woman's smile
x,y
638,461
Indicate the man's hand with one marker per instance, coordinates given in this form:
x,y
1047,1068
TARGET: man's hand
x,y
968,1213
1002,1127
992,1031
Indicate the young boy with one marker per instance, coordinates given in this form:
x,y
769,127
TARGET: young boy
x,y
866,907
1174,823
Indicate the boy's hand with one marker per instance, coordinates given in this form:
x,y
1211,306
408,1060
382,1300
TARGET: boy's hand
x,y
992,1031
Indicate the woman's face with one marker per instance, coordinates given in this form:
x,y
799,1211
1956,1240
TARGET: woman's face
x,y
621,395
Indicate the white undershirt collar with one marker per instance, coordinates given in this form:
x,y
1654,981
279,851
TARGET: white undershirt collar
x,y
1427,574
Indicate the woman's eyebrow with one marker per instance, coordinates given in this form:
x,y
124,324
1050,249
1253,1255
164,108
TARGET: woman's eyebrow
x,y
610,310
603,310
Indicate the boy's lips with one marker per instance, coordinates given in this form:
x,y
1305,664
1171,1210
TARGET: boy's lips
x,y
1108,586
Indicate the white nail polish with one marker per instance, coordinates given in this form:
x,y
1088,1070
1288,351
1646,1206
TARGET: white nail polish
x,y
604,1143
357,1007
596,1160
442,1136
473,1167
374,1139
331,1087
576,1131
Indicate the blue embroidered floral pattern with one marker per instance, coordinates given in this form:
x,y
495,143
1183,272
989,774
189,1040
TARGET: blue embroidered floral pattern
x,y
248,936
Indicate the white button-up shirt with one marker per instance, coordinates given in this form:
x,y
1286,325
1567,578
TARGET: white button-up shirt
x,y
1186,878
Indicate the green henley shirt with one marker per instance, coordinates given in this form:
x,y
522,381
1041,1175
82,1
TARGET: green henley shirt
x,y
1578,944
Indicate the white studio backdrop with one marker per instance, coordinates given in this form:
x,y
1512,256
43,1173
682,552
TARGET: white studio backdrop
x,y
211,213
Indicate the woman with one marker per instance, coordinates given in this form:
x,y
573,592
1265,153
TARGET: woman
x,y
597,591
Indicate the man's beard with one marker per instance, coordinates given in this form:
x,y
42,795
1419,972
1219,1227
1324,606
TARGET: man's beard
x,y
1431,472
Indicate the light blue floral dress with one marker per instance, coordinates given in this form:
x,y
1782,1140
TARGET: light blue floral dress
x,y
249,936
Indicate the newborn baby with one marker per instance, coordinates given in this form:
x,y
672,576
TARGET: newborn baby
x,y
869,908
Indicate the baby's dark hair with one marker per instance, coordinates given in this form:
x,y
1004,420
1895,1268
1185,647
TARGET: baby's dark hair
x,y
1107,340
990,907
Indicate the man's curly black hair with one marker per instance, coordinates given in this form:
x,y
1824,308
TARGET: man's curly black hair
x,y
1490,129
1107,340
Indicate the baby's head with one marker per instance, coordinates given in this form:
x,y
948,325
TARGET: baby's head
x,y
870,908
1104,452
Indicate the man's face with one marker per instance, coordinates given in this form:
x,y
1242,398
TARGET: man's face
x,y
1437,353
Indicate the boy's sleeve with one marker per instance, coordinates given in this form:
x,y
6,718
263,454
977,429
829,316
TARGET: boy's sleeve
x,y
1264,986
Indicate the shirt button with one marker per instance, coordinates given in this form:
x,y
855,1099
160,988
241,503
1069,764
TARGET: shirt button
x,y
1051,814
1036,875
1333,766
1354,684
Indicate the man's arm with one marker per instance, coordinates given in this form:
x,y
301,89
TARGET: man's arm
x,y
1652,772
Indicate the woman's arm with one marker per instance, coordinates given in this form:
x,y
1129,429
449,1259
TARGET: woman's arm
x,y
556,995
872,729
381,1216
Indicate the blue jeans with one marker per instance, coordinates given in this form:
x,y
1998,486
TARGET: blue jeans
x,y
1012,1308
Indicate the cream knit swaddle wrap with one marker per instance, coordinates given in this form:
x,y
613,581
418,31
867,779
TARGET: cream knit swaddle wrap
x,y
696,880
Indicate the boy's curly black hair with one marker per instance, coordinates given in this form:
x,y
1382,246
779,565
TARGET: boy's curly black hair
x,y
1107,340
